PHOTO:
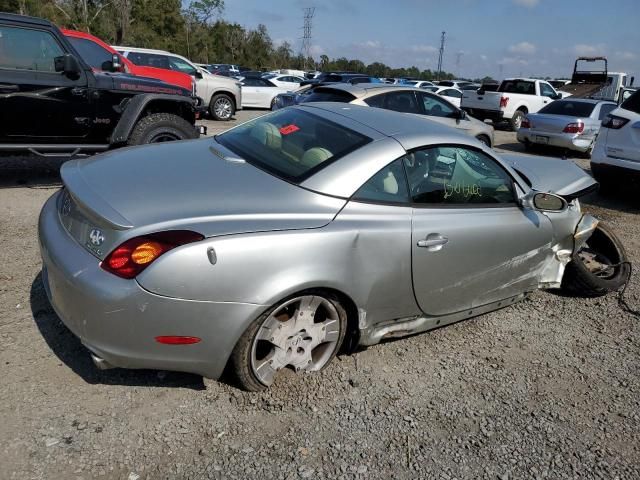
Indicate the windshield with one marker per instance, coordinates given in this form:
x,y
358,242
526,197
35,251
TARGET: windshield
x,y
569,108
91,52
291,144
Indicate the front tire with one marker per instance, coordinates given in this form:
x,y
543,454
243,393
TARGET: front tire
x,y
161,127
303,332
221,107
599,267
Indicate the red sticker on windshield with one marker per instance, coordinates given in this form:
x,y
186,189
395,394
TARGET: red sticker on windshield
x,y
287,129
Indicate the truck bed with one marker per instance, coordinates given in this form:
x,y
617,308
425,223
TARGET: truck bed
x,y
581,89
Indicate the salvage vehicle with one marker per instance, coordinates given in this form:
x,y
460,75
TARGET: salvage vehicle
x,y
221,94
53,102
101,57
399,98
514,98
596,81
304,231
570,123
616,155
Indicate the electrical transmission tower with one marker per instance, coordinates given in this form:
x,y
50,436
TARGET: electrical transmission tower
x,y
306,38
441,53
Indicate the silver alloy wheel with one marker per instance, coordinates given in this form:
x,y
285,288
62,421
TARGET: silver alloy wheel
x,y
302,334
222,108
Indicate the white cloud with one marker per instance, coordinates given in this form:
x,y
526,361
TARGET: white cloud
x,y
513,61
423,49
527,3
524,48
483,58
626,55
584,50
369,44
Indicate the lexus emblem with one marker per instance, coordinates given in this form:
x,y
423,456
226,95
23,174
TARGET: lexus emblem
x,y
97,237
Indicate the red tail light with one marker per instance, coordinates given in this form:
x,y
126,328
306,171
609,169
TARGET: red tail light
x,y
133,256
503,102
525,123
574,128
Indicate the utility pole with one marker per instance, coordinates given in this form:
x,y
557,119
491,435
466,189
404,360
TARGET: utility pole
x,y
306,38
441,53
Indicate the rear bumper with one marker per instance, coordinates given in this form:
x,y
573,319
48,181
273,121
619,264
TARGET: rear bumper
x,y
579,143
482,114
118,320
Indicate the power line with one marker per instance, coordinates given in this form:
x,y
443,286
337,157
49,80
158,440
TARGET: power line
x,y
306,38
441,53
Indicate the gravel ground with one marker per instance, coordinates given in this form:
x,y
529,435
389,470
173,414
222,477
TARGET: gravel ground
x,y
547,388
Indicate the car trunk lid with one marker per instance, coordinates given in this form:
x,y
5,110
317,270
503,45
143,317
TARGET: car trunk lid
x,y
546,123
197,185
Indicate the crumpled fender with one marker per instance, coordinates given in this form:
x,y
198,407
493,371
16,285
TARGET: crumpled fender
x,y
585,228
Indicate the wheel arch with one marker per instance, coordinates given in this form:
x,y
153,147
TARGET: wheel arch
x,y
140,106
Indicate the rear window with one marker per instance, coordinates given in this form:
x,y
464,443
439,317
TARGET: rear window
x,y
328,95
569,108
632,103
518,86
291,144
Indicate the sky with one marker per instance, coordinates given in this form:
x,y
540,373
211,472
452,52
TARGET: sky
x,y
500,38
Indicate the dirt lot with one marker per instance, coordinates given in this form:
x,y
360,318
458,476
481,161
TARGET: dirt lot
x,y
547,388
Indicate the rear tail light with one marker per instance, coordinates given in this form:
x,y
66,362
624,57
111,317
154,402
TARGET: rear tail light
x,y
133,256
503,102
577,127
525,123
613,122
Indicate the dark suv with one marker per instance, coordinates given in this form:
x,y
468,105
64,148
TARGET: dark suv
x,y
51,101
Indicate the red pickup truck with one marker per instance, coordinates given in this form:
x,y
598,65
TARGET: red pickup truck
x,y
100,56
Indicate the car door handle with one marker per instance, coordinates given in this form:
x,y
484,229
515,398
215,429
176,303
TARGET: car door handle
x,y
8,88
433,242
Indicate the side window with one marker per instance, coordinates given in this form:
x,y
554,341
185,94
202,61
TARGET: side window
x,y
456,176
546,90
180,65
605,109
401,102
91,52
149,60
27,49
251,82
451,92
389,185
435,107
375,101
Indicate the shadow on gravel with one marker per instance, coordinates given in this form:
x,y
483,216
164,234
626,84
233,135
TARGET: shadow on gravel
x,y
72,353
30,171
624,200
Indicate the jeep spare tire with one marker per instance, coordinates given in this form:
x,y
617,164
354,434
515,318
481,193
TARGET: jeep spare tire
x,y
161,127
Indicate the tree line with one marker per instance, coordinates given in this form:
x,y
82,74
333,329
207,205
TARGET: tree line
x,y
194,29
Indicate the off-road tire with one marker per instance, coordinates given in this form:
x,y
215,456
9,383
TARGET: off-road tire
x,y
580,281
229,111
516,121
239,365
157,126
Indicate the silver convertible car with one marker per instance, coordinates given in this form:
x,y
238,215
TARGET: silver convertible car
x,y
311,229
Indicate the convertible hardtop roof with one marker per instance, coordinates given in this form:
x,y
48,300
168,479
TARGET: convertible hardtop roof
x,y
13,17
408,129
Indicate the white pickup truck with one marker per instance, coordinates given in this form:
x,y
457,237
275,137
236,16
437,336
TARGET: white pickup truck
x,y
514,98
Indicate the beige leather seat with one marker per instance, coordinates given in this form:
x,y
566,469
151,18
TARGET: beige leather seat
x,y
267,134
315,156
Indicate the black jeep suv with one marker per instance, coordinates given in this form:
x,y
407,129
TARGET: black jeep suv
x,y
52,102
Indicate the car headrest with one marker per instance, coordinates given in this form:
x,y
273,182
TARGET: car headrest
x,y
315,156
267,134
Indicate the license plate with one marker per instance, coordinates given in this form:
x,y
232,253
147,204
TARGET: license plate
x,y
539,139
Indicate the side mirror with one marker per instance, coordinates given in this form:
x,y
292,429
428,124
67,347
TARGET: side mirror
x,y
116,64
631,81
461,115
557,96
480,91
545,202
198,74
67,64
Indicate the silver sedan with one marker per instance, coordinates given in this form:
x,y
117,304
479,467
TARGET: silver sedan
x,y
569,123
312,228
